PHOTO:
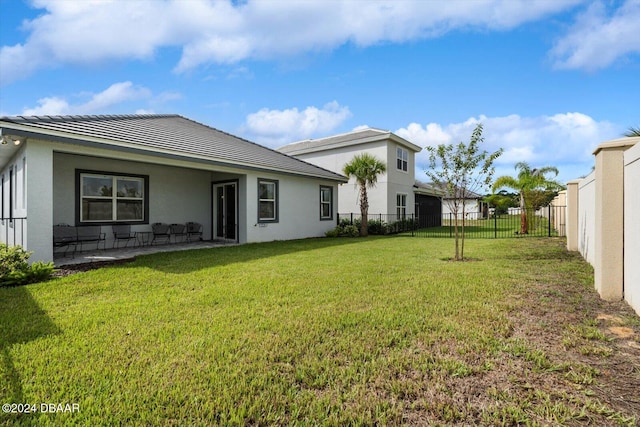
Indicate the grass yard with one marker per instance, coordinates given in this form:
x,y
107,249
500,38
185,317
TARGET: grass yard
x,y
502,226
381,330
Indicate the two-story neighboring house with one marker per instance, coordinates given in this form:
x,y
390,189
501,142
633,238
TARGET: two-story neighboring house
x,y
394,193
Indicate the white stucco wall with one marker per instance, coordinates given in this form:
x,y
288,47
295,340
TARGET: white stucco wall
x,y
13,199
179,191
176,195
632,227
382,198
298,209
586,217
471,208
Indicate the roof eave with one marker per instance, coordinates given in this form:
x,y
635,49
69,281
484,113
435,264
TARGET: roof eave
x,y
123,146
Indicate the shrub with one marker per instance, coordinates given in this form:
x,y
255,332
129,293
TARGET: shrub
x,y
15,270
377,227
351,231
347,230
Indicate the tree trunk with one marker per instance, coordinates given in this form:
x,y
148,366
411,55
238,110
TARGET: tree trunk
x,y
364,211
524,226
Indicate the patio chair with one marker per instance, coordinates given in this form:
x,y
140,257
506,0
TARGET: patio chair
x,y
194,229
91,234
123,232
65,236
161,231
178,231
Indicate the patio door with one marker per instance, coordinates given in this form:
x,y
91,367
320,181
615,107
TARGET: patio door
x,y
226,211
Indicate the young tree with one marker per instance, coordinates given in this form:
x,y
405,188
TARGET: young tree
x,y
533,187
459,170
365,168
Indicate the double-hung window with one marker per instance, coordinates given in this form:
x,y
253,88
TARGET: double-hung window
x,y
326,203
107,198
402,162
267,200
401,206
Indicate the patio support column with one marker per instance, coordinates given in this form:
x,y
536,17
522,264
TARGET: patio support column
x,y
39,199
609,218
572,215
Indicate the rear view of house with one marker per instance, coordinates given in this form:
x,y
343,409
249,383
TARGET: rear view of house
x,y
143,169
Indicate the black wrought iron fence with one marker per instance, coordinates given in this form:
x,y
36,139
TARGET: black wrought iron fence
x,y
548,221
13,231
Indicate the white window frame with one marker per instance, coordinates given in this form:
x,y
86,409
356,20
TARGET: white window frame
x,y
114,198
401,205
324,202
274,200
402,159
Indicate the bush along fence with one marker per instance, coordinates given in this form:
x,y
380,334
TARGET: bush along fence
x,y
544,222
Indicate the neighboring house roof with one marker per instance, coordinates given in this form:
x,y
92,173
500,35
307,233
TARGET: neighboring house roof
x,y
362,136
420,187
458,191
167,135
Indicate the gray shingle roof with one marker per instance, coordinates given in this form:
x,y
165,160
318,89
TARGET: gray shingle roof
x,y
356,137
172,135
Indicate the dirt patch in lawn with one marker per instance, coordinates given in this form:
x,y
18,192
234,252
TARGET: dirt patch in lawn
x,y
67,270
571,359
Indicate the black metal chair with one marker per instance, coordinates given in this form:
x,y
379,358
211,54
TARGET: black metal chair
x,y
178,231
161,231
91,234
123,232
194,229
65,236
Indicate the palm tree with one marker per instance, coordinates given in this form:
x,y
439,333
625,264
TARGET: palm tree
x,y
632,132
365,168
528,182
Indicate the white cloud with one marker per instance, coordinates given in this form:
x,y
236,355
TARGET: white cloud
x,y
564,140
115,94
278,127
597,40
208,31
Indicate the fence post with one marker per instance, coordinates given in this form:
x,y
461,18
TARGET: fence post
x,y
351,218
549,220
413,224
450,229
495,223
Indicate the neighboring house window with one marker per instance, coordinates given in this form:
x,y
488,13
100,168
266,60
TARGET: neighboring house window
x,y
267,200
401,205
402,159
105,198
326,203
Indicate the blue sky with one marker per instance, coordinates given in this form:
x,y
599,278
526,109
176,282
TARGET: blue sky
x,y
549,79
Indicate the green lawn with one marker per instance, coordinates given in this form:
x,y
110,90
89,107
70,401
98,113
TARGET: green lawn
x,y
500,227
320,331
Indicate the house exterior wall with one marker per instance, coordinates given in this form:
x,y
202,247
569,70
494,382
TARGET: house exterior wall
x,y
179,191
13,199
632,227
176,195
382,198
298,209
471,206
